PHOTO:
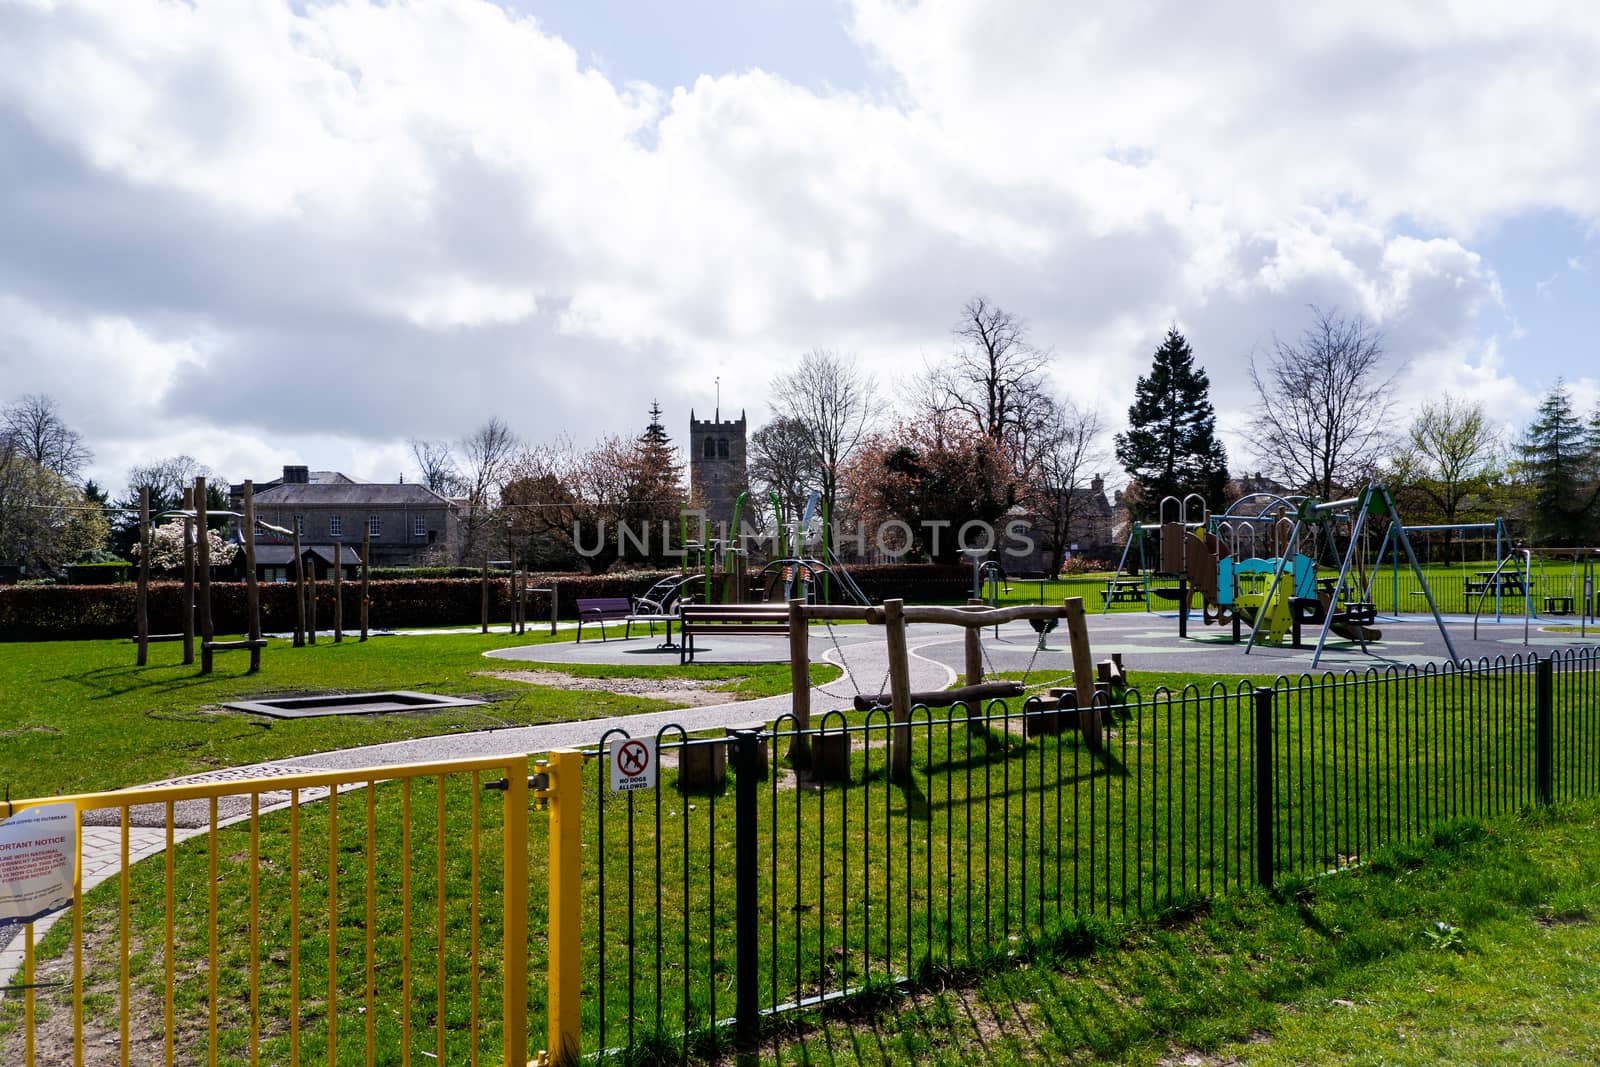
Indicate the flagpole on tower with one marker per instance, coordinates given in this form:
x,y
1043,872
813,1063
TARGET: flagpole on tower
x,y
716,414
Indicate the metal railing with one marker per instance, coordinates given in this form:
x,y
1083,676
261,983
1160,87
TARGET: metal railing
x,y
383,915
714,910
326,917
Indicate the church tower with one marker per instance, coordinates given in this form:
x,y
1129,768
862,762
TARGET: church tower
x,y
717,466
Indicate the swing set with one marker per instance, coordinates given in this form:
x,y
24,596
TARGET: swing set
x,y
1074,709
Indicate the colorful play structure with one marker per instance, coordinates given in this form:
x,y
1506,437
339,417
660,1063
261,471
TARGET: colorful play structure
x,y
1255,564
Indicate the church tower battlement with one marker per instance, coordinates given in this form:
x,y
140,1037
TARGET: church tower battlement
x,y
717,470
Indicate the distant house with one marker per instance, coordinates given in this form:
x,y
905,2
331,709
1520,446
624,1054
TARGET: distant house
x,y
275,562
1249,484
408,524
1090,533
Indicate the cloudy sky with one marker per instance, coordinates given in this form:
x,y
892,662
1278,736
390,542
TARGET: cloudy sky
x,y
289,231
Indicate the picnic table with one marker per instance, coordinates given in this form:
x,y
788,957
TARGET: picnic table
x,y
1126,589
1509,582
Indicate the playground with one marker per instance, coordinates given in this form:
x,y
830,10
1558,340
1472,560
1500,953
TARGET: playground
x,y
1146,641
890,794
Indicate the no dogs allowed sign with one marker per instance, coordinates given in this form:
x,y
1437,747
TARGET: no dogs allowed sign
x,y
633,764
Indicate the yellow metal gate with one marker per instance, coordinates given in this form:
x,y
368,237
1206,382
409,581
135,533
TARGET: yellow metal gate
x,y
377,915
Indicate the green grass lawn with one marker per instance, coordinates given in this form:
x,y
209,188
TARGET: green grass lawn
x,y
999,845
1479,945
79,716
1476,943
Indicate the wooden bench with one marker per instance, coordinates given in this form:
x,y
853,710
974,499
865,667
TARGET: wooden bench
x,y
601,610
770,620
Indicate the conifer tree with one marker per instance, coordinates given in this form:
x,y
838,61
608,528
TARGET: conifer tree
x,y
1171,448
653,476
655,435
1558,467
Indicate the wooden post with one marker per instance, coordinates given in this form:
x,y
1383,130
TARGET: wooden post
x,y
486,594
366,566
894,626
800,683
553,599
252,588
202,551
299,591
974,642
311,602
1083,673
188,577
338,592
143,612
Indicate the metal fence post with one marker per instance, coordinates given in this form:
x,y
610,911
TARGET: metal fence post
x,y
747,946
1265,798
1544,731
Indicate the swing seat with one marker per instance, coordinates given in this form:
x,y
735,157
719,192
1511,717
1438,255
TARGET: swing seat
x,y
943,698
1559,605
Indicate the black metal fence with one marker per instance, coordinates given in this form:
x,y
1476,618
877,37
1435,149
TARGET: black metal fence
x,y
1552,591
715,908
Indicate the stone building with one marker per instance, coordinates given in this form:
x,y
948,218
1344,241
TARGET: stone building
x,y
717,473
406,523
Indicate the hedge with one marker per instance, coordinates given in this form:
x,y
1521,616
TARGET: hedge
x,y
60,612
98,573
65,612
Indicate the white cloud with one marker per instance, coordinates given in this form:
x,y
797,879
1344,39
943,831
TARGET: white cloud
x,y
315,234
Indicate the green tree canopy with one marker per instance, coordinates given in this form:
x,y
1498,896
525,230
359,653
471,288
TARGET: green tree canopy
x,y
1559,456
1171,447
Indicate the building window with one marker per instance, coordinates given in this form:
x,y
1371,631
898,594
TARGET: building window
x,y
722,448
335,525
711,449
419,526
375,525
300,525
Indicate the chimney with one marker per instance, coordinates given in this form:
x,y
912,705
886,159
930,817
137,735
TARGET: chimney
x,y
1097,484
296,475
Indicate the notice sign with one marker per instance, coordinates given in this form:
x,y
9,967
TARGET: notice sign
x,y
38,851
633,764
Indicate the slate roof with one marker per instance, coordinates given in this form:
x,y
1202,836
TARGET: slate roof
x,y
270,555
352,495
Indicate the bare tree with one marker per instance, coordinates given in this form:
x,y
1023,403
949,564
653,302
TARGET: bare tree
x,y
995,378
36,429
437,463
166,479
835,404
1069,446
488,453
783,460
1322,406
609,502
